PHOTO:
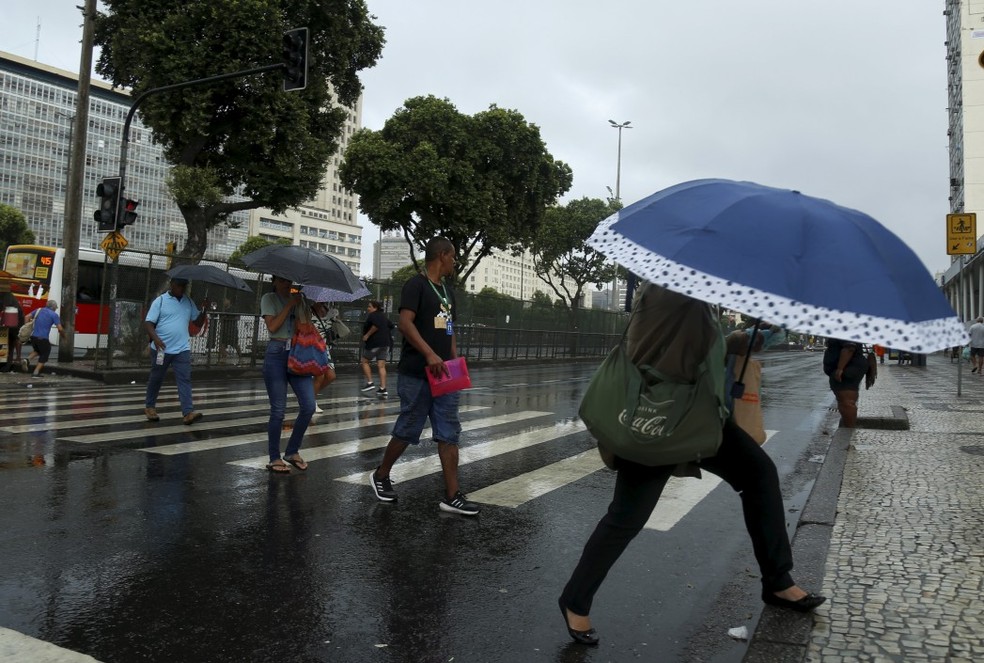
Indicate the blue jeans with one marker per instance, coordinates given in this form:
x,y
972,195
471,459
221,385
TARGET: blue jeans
x,y
181,363
417,406
276,378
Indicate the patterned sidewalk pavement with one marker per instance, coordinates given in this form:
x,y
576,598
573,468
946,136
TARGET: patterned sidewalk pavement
x,y
906,559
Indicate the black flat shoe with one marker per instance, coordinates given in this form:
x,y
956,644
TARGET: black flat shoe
x,y
805,604
589,637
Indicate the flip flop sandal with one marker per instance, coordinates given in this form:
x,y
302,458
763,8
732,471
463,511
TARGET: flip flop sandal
x,y
278,467
297,462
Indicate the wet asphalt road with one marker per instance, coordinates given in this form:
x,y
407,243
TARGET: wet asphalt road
x,y
131,541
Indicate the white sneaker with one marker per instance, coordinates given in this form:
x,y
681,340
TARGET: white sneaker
x,y
317,409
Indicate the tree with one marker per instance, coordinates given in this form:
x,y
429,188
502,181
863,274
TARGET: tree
x,y
254,243
483,181
403,274
540,300
243,143
13,228
561,255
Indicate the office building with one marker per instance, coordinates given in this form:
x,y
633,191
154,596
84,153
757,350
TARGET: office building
x,y
37,110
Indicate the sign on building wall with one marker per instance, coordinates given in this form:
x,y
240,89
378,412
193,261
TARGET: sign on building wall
x,y
961,234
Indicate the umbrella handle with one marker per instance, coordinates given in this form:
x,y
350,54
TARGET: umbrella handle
x,y
738,388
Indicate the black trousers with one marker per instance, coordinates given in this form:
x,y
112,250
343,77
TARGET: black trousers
x,y
742,463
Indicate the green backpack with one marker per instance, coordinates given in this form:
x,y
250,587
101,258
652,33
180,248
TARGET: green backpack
x,y
643,416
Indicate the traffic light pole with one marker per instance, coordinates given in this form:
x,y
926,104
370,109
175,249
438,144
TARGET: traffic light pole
x,y
124,152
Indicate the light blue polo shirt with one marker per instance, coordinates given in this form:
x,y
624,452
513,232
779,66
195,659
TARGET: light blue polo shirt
x,y
172,316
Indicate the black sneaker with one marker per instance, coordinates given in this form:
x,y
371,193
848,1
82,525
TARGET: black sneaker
x,y
459,504
382,393
382,487
369,387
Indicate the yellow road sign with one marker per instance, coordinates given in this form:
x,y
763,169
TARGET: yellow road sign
x,y
961,234
113,244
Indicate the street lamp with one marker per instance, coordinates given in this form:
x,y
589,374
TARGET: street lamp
x,y
618,168
618,192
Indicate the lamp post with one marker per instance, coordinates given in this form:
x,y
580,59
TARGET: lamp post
x,y
618,166
618,191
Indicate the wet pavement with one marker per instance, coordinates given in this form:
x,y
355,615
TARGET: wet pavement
x,y
131,541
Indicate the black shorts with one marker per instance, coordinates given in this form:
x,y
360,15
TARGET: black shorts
x,y
375,354
43,347
977,352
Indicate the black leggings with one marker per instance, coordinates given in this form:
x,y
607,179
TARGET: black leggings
x,y
742,463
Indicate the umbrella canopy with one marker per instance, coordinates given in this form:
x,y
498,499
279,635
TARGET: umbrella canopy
x,y
209,274
802,262
304,266
317,294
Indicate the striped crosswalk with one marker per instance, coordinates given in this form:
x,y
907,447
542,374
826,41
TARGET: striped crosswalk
x,y
236,418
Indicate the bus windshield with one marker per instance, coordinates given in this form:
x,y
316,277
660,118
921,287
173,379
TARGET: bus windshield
x,y
34,264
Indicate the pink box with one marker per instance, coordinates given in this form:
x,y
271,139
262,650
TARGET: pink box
x,y
455,379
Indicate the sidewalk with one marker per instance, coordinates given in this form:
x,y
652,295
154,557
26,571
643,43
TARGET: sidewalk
x,y
904,569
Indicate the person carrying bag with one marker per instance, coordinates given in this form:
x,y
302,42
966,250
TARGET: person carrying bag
x,y
679,338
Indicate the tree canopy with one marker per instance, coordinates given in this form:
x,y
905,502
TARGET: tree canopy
x,y
254,243
243,143
561,255
403,274
13,228
483,181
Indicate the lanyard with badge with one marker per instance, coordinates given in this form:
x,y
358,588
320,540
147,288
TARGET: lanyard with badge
x,y
442,322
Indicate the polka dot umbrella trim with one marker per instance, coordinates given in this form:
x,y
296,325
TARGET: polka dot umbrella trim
x,y
805,263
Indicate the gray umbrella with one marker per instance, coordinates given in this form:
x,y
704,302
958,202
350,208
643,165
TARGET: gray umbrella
x,y
304,266
208,274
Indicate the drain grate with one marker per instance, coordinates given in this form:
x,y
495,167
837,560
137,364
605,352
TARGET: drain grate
x,y
976,449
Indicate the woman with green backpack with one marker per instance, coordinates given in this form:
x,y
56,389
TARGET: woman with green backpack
x,y
677,340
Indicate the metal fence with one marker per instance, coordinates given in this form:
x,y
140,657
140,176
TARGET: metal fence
x,y
493,328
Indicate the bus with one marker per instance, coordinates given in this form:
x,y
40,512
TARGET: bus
x,y
38,273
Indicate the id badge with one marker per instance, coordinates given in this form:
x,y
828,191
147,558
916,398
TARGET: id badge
x,y
450,329
439,322
287,345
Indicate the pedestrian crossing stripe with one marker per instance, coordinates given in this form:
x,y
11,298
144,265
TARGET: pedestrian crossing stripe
x,y
312,454
16,646
314,429
521,489
421,467
164,406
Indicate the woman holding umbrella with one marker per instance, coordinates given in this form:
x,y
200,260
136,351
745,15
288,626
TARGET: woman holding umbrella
x,y
278,310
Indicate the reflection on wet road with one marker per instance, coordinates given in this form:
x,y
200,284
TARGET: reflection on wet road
x,y
131,541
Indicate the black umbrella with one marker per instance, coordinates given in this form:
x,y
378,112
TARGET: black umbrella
x,y
209,274
304,266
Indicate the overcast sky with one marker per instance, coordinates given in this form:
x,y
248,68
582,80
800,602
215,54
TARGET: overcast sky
x,y
840,99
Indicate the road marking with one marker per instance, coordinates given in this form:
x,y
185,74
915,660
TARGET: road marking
x,y
682,494
16,646
164,405
314,429
421,467
96,422
42,399
525,487
367,444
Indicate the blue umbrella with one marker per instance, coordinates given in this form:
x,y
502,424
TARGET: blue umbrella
x,y
802,262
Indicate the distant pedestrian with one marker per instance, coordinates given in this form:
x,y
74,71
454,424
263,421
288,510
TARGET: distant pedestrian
x,y
378,340
229,338
845,364
167,324
7,302
44,319
977,345
321,313
427,307
880,353
280,310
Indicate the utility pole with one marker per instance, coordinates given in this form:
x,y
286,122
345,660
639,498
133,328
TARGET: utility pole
x,y
72,227
618,196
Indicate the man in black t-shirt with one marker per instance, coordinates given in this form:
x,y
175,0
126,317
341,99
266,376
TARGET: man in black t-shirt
x,y
427,308
378,341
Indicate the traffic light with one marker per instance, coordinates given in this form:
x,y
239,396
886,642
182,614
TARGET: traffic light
x,y
129,214
295,59
109,203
